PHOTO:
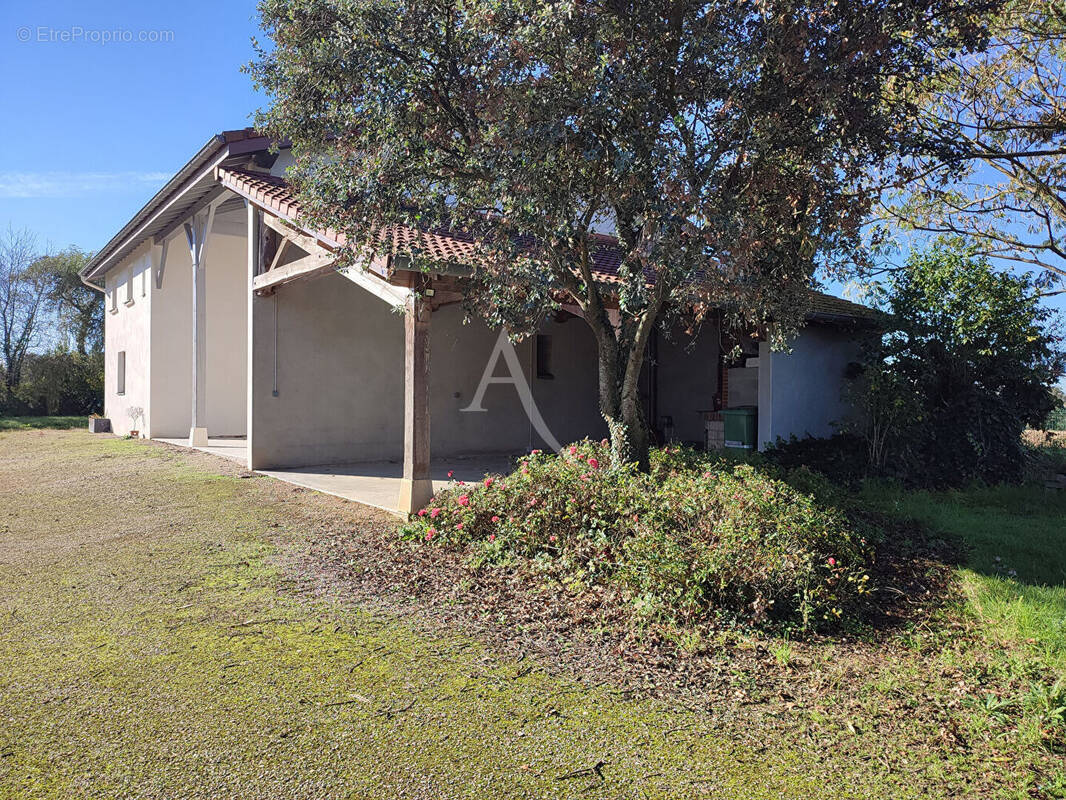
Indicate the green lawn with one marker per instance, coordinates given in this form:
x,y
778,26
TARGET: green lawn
x,y
1014,574
42,423
159,638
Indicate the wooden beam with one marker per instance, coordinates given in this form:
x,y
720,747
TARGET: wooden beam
x,y
279,254
302,268
395,296
416,487
309,244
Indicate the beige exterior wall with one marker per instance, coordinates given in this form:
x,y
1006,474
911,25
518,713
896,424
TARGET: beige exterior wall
x,y
127,329
155,332
340,381
801,392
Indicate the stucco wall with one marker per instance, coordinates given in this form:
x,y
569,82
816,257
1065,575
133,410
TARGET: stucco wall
x,y
339,376
340,381
459,354
227,332
127,328
172,344
800,393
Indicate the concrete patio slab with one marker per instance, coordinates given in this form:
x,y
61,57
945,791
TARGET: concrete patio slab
x,y
372,483
377,483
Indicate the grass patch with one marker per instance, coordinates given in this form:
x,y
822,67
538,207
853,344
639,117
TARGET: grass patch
x,y
1015,565
42,423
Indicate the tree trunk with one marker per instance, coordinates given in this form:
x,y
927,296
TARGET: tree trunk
x,y
620,405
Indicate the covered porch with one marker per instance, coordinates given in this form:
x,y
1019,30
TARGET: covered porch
x,y
372,483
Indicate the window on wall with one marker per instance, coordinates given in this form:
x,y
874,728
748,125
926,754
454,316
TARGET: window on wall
x,y
120,373
544,356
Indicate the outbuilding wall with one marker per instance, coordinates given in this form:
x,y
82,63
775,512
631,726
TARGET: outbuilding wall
x,y
801,393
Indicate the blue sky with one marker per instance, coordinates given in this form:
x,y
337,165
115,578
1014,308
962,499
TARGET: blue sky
x,y
93,128
94,125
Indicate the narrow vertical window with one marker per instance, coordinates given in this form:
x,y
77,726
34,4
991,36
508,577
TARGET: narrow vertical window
x,y
544,356
129,289
120,373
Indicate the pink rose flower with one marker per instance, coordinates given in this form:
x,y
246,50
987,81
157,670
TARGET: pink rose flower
x,y
434,513
430,533
832,562
421,512
553,538
573,450
594,463
450,473
464,500
492,537
488,482
495,518
459,526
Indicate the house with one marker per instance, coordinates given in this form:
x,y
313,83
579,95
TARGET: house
x,y
228,323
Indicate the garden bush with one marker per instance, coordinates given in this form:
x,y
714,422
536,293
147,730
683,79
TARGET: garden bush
x,y
694,539
842,457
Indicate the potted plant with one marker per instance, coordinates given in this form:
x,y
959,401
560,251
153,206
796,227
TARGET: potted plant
x,y
135,413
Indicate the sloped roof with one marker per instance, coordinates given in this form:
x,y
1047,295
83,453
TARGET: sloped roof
x,y
274,193
185,191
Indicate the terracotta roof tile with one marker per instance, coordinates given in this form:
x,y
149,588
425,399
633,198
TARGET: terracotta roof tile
x,y
275,194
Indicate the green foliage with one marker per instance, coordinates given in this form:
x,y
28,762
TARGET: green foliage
x,y
78,308
841,458
684,542
58,383
968,363
999,113
1056,418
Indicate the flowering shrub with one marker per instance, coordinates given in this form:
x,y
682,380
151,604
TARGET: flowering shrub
x,y
691,539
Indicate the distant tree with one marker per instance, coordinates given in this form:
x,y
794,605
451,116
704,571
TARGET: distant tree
x,y
22,302
79,309
970,360
998,176
729,145
1056,420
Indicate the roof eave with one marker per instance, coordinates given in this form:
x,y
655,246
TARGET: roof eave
x,y
219,147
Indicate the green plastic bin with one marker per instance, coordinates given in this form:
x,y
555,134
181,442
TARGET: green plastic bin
x,y
741,427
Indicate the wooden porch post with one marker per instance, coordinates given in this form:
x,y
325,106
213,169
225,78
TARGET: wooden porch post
x,y
416,488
